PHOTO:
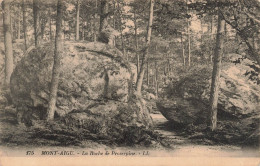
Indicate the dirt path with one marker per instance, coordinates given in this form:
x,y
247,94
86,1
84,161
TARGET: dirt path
x,y
184,147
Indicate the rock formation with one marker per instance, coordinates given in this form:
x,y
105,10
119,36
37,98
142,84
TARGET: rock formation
x,y
95,89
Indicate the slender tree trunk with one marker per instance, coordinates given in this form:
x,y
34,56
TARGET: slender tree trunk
x,y
11,25
145,55
103,15
216,72
165,75
92,24
7,42
201,27
106,86
136,43
156,79
183,51
189,58
57,62
24,25
225,29
50,25
114,20
43,24
69,31
212,36
121,30
95,20
147,72
14,27
253,52
83,30
153,80
19,23
36,22
188,32
77,20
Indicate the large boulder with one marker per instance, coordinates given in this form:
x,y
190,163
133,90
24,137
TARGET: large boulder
x,y
91,74
239,93
187,99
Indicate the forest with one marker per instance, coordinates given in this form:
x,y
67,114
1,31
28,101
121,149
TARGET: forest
x,y
158,74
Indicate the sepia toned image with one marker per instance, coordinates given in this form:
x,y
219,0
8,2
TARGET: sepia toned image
x,y
135,81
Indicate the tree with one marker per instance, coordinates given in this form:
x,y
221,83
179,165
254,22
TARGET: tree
x,y
103,15
245,36
146,50
19,23
57,62
136,42
216,71
24,25
36,18
121,29
188,33
50,24
94,22
7,42
77,19
183,50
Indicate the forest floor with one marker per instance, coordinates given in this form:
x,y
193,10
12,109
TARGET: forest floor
x,y
14,141
183,146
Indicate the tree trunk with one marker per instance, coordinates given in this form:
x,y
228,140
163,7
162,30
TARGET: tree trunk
x,y
188,32
92,24
183,51
165,75
95,19
147,72
106,86
225,29
145,55
50,25
57,62
83,30
7,42
11,25
36,22
103,15
156,79
153,80
211,35
189,58
77,20
114,20
19,23
202,32
216,72
24,25
253,52
121,31
43,25
136,43
122,38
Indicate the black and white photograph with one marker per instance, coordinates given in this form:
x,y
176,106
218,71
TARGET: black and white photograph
x,y
130,79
